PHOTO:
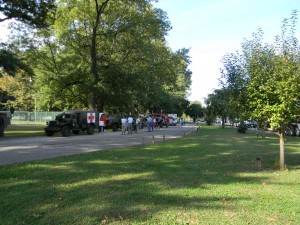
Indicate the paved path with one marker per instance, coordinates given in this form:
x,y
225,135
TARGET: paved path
x,y
28,149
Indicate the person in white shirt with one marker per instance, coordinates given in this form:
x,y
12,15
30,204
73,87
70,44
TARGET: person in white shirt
x,y
124,124
130,121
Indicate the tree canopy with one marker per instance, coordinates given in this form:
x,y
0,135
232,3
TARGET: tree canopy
x,y
107,55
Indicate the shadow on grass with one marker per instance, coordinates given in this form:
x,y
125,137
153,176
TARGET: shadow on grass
x,y
133,184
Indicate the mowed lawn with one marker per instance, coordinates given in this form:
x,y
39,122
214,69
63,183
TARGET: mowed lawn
x,y
25,129
208,177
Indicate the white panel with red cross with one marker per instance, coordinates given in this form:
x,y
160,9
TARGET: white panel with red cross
x,y
91,118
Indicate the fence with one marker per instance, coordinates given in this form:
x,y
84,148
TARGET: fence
x,y
31,116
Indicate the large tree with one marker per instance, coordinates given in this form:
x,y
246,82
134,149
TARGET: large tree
x,y
234,80
134,67
217,104
195,110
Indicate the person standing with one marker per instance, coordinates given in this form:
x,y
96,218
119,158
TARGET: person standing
x,y
138,124
130,121
167,121
149,123
153,123
124,124
102,122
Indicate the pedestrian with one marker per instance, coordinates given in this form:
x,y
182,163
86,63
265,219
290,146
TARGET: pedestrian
x,y
138,124
167,121
153,122
102,122
130,121
149,123
124,125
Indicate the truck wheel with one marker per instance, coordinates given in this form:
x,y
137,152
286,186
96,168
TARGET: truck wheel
x,y
114,127
49,133
90,130
75,131
65,131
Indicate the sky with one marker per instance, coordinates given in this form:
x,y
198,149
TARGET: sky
x,y
213,28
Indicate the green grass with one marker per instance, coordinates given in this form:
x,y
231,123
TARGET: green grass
x,y
24,130
208,177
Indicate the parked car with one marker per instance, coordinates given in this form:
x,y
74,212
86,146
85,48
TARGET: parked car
x,y
113,122
218,121
172,121
251,124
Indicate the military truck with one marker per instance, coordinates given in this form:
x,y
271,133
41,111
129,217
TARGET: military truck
x,y
113,122
73,121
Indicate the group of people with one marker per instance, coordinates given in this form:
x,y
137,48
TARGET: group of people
x,y
130,124
156,122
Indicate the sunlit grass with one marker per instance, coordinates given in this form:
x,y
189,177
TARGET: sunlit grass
x,y
24,130
208,177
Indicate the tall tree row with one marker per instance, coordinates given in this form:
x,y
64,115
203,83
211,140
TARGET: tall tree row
x,y
263,82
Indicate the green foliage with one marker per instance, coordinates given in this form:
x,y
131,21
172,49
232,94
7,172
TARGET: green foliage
x,y
37,14
124,65
21,90
102,55
12,64
195,110
217,104
264,79
32,12
234,80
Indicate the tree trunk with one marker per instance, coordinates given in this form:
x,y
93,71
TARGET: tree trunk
x,y
94,67
281,143
263,133
223,122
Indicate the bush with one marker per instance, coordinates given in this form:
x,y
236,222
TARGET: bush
x,y
242,128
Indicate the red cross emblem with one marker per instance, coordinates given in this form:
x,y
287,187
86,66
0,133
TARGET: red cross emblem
x,y
91,117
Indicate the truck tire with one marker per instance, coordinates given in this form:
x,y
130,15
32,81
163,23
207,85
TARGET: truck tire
x,y
49,133
75,131
65,131
90,130
114,127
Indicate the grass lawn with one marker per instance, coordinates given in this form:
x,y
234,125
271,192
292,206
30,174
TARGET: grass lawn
x,y
25,129
208,177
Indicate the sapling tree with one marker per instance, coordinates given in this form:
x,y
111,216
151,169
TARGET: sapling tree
x,y
274,80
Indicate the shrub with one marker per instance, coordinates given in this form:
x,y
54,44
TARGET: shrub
x,y
242,128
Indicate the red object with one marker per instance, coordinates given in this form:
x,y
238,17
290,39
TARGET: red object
x,y
91,118
104,120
